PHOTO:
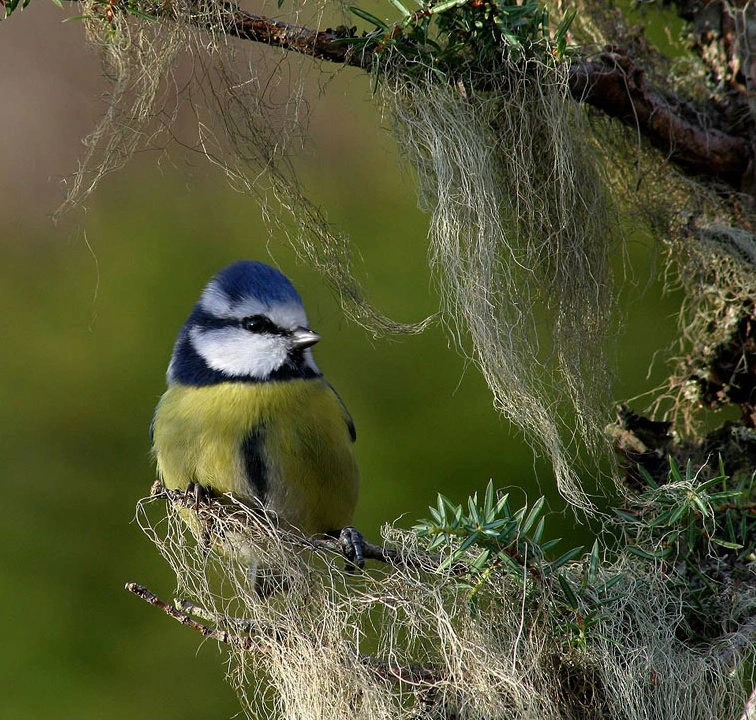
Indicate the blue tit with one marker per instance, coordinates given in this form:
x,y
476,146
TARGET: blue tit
x,y
248,412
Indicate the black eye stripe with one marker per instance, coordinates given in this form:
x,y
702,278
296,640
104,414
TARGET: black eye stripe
x,y
259,324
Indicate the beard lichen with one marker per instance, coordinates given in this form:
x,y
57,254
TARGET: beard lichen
x,y
520,240
169,60
599,638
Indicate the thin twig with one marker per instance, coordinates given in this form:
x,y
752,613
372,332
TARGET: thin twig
x,y
244,642
413,674
209,509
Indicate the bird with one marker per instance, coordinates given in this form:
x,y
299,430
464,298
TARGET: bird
x,y
247,412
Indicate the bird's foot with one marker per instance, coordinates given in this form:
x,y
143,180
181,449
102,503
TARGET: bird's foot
x,y
353,547
196,492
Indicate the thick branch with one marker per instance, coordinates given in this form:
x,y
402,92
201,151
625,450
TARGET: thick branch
x,y
614,84
611,82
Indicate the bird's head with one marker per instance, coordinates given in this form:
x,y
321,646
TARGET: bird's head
x,y
248,325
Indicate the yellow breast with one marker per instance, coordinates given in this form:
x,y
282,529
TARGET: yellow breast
x,y
311,471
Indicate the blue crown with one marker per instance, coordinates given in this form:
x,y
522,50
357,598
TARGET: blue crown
x,y
248,278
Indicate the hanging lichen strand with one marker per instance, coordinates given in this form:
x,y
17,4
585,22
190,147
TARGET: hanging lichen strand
x,y
521,226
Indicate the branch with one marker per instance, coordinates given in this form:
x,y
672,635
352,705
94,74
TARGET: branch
x,y
614,84
209,508
244,642
325,44
611,83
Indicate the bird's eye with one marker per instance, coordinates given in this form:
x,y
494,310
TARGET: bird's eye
x,y
257,324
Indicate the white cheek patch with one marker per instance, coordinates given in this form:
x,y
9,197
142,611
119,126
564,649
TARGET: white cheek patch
x,y
239,353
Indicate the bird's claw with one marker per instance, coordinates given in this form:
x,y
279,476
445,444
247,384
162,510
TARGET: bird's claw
x,y
353,547
196,492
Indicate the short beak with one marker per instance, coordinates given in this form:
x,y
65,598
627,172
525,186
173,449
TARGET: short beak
x,y
303,337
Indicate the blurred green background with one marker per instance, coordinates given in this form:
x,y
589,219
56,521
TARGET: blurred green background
x,y
91,309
